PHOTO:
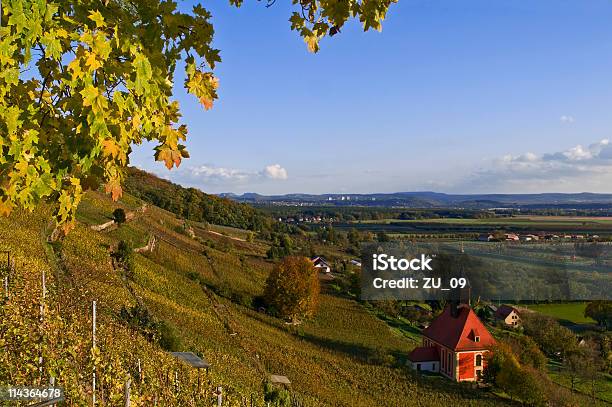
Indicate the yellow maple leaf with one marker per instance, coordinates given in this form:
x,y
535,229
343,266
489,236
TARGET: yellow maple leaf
x,y
312,42
169,157
97,18
92,61
110,148
75,67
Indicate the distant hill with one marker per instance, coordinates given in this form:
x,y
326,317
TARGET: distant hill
x,y
193,204
428,199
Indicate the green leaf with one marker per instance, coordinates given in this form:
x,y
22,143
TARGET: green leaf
x,y
97,18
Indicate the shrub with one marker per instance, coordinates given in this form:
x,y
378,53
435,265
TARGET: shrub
x,y
119,216
168,338
276,396
124,258
140,319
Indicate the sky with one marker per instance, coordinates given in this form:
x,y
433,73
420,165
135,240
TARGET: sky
x,y
471,96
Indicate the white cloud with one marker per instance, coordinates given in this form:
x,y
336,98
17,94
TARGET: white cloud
x,y
575,169
275,171
206,176
207,172
567,119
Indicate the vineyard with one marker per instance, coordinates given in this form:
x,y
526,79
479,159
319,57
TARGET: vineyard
x,y
195,292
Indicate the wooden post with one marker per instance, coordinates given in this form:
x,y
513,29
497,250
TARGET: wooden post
x,y
44,294
42,317
52,384
93,334
219,396
139,372
176,385
6,287
126,392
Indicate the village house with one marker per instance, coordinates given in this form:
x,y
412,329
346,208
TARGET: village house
x,y
321,264
509,315
455,344
511,237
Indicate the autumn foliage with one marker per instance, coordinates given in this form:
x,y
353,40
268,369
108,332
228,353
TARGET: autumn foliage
x,y
292,289
82,82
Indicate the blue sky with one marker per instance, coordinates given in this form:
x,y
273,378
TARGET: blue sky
x,y
452,96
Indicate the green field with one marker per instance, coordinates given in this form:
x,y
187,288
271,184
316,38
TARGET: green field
x,y
471,227
572,312
515,220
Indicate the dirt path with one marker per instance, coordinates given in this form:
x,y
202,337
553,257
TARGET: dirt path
x,y
229,237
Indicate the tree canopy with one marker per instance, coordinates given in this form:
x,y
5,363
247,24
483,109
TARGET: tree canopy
x,y
82,81
292,289
600,311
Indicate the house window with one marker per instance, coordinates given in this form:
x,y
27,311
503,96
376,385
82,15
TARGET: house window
x,y
418,367
477,339
450,363
478,360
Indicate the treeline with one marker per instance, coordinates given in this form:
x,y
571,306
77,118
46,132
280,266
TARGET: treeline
x,y
349,214
193,204
597,210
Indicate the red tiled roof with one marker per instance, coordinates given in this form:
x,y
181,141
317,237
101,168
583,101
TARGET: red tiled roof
x,y
504,311
458,333
424,354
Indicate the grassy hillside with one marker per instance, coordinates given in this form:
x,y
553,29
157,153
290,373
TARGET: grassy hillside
x,y
200,288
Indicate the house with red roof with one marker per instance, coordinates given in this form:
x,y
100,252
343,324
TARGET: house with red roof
x,y
455,344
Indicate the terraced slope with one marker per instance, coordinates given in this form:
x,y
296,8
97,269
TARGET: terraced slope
x,y
200,286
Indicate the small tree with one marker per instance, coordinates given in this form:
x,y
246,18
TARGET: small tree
x,y
124,258
119,216
517,381
292,288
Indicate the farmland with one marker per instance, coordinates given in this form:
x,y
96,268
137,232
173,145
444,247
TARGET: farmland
x,y
572,312
518,224
200,288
